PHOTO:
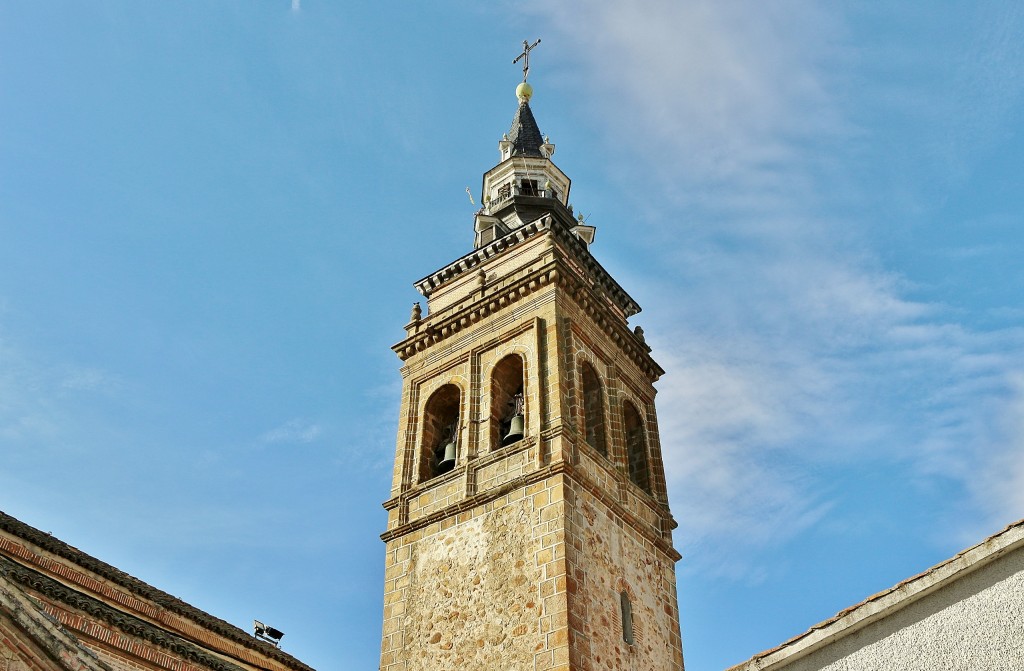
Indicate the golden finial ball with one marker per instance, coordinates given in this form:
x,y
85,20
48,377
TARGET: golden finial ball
x,y
524,91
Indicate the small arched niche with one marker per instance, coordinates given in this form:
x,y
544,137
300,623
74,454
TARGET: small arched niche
x,y
508,402
636,447
440,432
593,409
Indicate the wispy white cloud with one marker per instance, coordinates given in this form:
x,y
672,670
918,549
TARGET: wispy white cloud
x,y
1000,484
20,414
86,378
375,437
722,92
293,431
40,400
792,345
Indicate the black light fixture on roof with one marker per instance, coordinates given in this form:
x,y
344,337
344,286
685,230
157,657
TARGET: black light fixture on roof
x,y
265,633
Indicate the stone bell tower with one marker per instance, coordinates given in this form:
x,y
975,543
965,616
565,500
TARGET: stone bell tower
x,y
528,524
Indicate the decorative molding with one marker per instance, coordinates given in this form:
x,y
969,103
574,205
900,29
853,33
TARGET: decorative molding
x,y
465,469
565,468
573,285
434,331
557,224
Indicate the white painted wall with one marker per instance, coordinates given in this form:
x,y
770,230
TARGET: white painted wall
x,y
976,622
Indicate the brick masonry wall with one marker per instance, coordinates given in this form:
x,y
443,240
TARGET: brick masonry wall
x,y
18,652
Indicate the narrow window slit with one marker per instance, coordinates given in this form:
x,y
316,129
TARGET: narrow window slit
x,y
627,617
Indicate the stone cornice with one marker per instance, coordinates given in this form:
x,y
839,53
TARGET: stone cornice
x,y
129,624
556,271
557,468
591,304
431,331
145,591
548,222
475,463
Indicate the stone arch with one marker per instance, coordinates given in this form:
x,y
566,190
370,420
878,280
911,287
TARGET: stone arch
x,y
508,398
595,432
441,422
637,461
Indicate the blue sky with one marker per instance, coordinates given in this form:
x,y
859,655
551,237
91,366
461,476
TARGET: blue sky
x,y
211,215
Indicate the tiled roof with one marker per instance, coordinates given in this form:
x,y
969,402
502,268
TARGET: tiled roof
x,y
143,590
525,135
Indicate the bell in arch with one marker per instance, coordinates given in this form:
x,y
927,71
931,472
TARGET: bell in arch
x,y
447,462
447,454
515,429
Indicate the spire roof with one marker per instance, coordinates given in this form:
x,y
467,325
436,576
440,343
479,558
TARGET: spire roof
x,y
525,135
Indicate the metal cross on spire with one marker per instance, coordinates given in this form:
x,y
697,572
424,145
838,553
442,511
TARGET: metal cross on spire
x,y
525,56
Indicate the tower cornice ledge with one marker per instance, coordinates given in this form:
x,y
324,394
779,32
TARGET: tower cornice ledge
x,y
559,224
437,328
565,468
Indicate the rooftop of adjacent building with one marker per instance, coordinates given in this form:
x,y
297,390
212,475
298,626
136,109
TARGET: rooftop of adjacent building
x,y
897,597
138,588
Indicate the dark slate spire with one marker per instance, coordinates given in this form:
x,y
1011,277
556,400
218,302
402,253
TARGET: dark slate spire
x,y
525,135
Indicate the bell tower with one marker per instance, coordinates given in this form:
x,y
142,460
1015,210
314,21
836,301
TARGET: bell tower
x,y
528,523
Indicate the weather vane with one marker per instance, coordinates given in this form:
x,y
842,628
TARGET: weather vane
x,y
525,56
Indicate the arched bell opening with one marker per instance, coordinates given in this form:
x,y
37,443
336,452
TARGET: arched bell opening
x,y
440,432
636,447
593,409
508,402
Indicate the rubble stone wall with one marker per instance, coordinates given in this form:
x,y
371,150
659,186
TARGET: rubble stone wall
x,y
606,559
480,591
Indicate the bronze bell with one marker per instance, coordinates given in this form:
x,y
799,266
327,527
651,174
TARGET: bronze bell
x,y
448,459
515,430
